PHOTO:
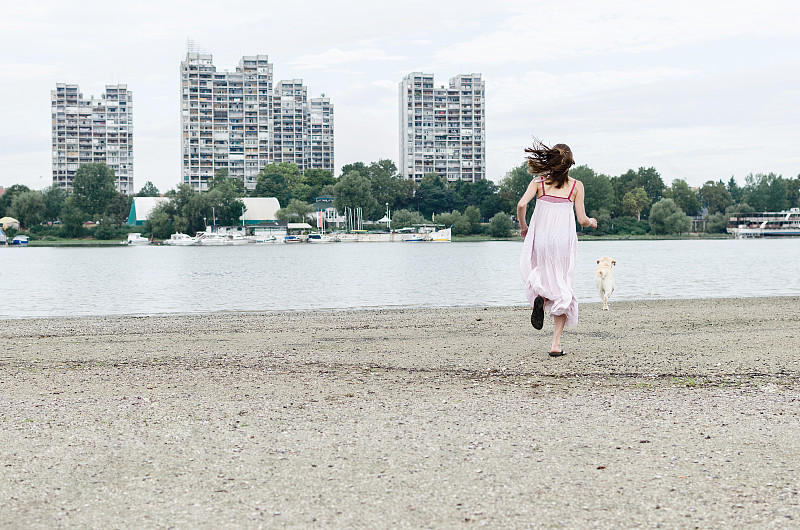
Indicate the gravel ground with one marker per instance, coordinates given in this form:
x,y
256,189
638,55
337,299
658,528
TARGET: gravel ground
x,y
677,414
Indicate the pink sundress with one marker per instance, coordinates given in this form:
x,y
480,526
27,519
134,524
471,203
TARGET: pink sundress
x,y
549,254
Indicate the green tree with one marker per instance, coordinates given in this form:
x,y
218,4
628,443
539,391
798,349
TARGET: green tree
x,y
221,204
715,196
472,193
8,197
296,211
685,197
635,202
598,190
500,225
666,217
54,199
455,219
406,219
291,174
93,188
793,192
118,209
513,186
72,219
318,178
354,191
766,192
272,184
650,180
105,230
433,195
159,222
148,190
717,223
28,208
473,215
221,178
734,190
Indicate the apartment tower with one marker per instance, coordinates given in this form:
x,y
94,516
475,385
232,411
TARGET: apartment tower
x,y
92,130
241,121
443,130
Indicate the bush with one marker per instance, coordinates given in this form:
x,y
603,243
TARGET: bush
x,y
406,218
666,217
500,225
627,225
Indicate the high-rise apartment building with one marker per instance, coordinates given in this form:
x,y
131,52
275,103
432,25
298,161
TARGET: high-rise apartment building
x,y
443,130
92,130
239,122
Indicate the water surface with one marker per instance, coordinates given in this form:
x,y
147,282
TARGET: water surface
x,y
57,281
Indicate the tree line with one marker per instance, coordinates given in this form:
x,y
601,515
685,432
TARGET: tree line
x,y
636,202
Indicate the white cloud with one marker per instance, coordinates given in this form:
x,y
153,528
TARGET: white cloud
x,y
336,56
558,30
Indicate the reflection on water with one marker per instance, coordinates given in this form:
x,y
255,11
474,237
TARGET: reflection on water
x,y
40,282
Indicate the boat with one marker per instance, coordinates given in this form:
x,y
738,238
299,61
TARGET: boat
x,y
20,241
179,240
135,238
292,239
316,237
206,239
765,224
263,239
236,239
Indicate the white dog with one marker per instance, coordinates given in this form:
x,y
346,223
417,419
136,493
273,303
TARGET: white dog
x,y
604,279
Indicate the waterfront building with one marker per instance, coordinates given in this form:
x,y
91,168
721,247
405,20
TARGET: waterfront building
x,y
142,207
241,121
443,130
92,130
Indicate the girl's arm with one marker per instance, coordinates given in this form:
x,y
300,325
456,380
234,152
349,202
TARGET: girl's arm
x,y
522,206
580,210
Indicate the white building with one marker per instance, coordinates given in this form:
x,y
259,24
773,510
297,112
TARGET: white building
x,y
92,130
443,130
239,122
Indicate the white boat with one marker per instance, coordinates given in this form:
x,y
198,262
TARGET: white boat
x,y
206,239
765,224
262,239
440,236
316,237
236,240
135,238
180,240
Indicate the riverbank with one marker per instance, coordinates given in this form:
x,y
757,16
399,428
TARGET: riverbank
x,y
679,413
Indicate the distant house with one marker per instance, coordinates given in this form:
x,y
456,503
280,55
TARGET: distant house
x,y
325,205
141,207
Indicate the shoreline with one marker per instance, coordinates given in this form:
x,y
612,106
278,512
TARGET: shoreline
x,y
256,312
455,239
662,412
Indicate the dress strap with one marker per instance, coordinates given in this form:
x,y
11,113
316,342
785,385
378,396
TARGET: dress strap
x,y
542,183
574,181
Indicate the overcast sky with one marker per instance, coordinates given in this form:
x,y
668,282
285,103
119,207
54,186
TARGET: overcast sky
x,y
698,89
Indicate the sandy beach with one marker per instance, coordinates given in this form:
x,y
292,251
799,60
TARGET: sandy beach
x,y
675,413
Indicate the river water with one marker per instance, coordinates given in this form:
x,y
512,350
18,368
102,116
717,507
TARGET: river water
x,y
52,281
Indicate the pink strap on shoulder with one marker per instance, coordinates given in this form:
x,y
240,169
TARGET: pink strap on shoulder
x,y
543,193
574,181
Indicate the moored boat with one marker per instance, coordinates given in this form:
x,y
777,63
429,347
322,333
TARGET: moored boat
x,y
765,224
179,240
135,238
